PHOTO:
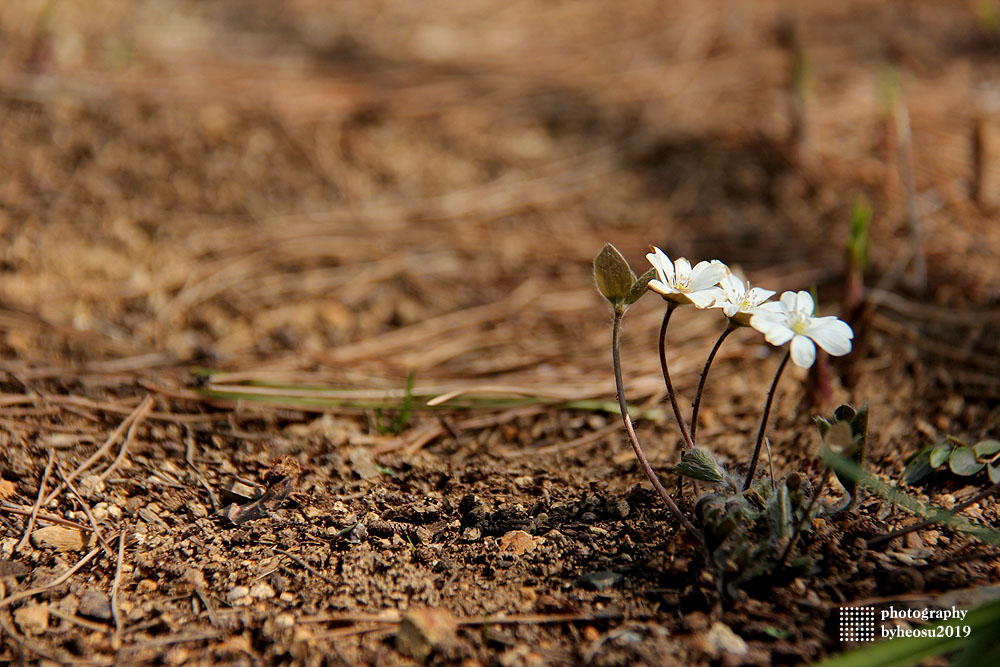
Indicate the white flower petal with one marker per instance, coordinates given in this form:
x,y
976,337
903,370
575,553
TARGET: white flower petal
x,y
703,298
664,267
788,301
708,274
831,334
804,303
661,287
772,309
776,331
733,287
721,299
803,351
682,271
759,296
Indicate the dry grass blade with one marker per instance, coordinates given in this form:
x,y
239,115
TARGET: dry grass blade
x,y
116,612
141,409
21,595
140,415
86,510
38,503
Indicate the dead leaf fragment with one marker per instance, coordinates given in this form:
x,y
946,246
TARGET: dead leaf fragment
x,y
519,542
61,538
423,630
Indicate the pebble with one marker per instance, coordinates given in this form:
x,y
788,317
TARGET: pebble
x,y
93,604
262,591
423,630
600,581
721,639
32,618
146,586
237,593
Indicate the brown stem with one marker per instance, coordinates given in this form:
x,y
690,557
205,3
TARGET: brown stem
x,y
688,441
763,421
704,377
634,440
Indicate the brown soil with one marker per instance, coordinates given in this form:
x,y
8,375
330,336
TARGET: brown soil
x,y
318,200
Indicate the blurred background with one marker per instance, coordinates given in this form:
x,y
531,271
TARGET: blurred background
x,y
351,191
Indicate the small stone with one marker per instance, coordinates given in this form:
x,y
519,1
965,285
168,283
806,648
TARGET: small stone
x,y
99,512
94,604
146,586
236,594
421,631
622,508
12,569
362,463
33,619
285,620
61,538
601,581
262,591
721,639
518,542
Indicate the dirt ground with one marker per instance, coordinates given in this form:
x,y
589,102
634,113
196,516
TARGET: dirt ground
x,y
231,231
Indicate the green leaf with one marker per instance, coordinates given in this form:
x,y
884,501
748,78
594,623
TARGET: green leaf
x,y
823,425
994,471
918,467
986,450
939,454
700,465
858,241
846,467
963,461
859,424
779,512
640,287
613,275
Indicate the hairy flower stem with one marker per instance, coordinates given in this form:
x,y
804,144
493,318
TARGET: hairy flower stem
x,y
704,376
688,441
763,421
634,440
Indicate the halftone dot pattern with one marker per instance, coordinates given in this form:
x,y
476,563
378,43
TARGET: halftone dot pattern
x,y
857,624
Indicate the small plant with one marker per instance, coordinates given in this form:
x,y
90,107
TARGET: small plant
x,y
748,527
846,435
399,421
961,459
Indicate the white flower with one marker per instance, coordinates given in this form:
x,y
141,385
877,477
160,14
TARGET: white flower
x,y
791,319
681,284
738,300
